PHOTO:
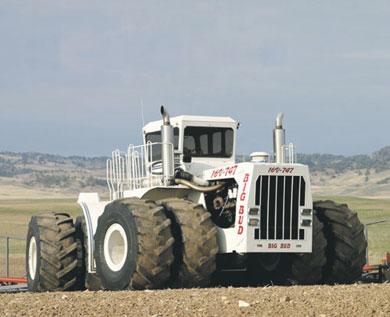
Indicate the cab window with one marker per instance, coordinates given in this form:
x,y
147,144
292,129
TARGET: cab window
x,y
208,141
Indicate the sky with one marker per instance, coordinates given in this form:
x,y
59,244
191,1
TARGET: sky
x,y
74,74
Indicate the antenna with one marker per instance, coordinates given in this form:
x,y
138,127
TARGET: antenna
x,y
142,113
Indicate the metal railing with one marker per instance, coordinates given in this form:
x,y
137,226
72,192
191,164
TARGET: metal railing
x,y
12,256
139,167
289,153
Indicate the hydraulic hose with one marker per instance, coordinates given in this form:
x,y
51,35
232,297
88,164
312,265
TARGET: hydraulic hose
x,y
202,189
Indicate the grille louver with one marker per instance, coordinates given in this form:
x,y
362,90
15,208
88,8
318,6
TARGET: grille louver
x,y
279,199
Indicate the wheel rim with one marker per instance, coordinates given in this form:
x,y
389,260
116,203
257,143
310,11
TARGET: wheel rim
x,y
32,258
115,247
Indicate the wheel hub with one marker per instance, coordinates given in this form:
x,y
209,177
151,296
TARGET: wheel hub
x,y
32,257
115,247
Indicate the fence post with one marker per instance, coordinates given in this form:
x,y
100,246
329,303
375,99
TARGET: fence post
x,y
366,234
7,256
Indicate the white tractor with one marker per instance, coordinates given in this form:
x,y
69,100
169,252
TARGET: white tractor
x,y
183,213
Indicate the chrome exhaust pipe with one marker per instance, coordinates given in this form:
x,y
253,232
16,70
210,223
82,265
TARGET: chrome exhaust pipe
x,y
165,115
279,139
167,140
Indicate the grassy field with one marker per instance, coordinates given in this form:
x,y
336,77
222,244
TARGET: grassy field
x,y
15,215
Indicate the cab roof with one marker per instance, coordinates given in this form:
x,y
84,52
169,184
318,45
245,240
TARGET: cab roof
x,y
202,120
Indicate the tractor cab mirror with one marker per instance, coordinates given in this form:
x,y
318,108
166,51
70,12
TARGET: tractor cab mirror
x,y
187,157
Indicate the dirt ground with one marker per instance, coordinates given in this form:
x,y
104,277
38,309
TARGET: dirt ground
x,y
353,300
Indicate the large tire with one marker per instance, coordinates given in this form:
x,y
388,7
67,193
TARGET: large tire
x,y
89,281
147,254
196,243
306,268
346,242
51,253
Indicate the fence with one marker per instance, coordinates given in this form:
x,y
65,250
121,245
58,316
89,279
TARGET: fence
x,y
378,238
12,256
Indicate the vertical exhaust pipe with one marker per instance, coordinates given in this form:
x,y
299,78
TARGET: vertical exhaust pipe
x,y
167,140
279,139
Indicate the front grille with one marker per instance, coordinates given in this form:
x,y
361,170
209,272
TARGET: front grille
x,y
279,199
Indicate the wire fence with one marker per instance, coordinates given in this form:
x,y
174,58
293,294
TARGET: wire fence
x,y
378,238
12,256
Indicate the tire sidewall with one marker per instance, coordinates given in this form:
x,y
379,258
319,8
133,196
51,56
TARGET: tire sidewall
x,y
120,214
33,231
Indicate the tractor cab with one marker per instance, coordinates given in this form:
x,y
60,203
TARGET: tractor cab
x,y
200,142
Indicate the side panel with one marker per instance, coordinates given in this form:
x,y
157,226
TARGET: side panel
x,y
235,239
92,209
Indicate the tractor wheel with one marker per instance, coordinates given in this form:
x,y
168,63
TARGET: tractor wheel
x,y
89,281
346,242
196,243
133,245
306,268
51,253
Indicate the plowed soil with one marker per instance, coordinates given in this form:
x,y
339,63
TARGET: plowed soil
x,y
352,300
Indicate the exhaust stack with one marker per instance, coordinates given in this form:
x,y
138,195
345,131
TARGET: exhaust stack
x,y
167,140
279,139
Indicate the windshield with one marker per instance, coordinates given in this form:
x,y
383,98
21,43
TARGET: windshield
x,y
155,137
208,142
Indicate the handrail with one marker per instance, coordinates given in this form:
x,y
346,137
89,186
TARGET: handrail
x,y
132,170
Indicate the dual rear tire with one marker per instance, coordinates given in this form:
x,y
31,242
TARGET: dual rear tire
x,y
144,245
133,246
339,247
346,242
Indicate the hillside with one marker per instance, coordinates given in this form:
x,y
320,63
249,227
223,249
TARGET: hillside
x,y
359,175
29,175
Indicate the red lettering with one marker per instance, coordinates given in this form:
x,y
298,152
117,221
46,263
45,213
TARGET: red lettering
x,y
241,210
230,170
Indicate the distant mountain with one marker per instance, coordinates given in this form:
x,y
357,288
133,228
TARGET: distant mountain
x,y
38,175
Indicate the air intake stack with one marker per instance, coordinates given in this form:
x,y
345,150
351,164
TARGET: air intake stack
x,y
279,139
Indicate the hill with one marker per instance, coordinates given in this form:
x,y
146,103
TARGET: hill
x,y
29,175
